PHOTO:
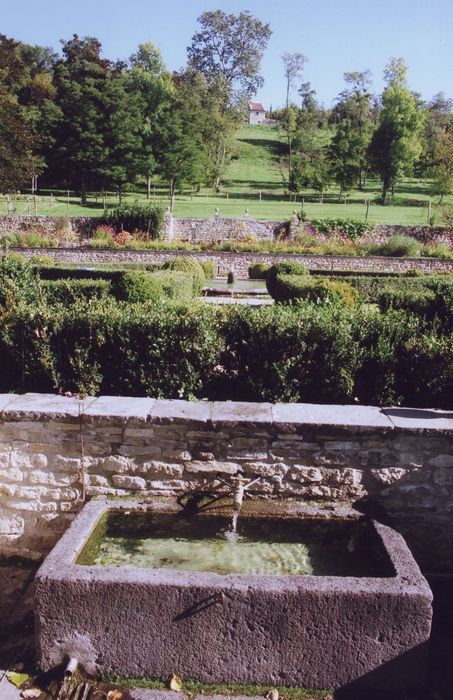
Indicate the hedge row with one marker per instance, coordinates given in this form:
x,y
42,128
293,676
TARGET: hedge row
x,y
321,354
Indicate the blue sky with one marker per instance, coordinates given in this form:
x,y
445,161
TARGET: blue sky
x,y
336,36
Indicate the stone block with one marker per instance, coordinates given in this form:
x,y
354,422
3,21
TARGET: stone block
x,y
39,407
442,461
237,412
176,410
159,468
12,474
388,476
131,483
346,419
114,408
420,419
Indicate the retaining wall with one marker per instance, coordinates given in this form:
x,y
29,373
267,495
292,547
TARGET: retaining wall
x,y
55,452
240,262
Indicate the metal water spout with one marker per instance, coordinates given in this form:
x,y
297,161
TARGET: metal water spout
x,y
241,485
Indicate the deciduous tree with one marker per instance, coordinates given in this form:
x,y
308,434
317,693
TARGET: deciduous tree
x,y
396,143
230,47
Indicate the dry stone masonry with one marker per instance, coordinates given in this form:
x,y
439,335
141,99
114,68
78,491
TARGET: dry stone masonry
x,y
239,262
57,452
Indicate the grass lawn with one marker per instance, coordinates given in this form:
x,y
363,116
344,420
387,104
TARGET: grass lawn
x,y
255,180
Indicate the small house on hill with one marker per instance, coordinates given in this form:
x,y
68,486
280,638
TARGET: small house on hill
x,y
257,113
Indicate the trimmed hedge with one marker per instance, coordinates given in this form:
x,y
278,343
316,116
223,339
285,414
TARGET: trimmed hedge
x,y
209,269
327,353
282,268
188,265
69,291
316,291
135,287
258,271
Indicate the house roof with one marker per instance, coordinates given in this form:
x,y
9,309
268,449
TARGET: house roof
x,y
256,107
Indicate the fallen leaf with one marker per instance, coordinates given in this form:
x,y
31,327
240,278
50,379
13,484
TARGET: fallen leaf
x,y
114,695
31,693
17,678
175,683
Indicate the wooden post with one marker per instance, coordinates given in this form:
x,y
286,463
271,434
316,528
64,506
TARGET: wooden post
x,y
430,211
35,202
367,204
67,201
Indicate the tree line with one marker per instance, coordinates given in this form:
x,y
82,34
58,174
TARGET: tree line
x,y
388,135
79,120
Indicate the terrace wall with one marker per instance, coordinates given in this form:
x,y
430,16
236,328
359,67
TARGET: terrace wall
x,y
56,452
240,262
218,228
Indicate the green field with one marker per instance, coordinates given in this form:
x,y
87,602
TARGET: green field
x,y
255,180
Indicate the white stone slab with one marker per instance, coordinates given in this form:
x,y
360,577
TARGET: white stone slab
x,y
241,411
420,418
7,399
120,407
167,411
43,406
318,415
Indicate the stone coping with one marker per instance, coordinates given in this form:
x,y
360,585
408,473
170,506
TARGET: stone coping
x,y
284,417
117,252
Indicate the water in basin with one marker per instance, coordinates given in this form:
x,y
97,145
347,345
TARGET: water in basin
x,y
265,546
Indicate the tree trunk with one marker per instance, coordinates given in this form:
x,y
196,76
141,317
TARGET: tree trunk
x,y
83,191
148,187
172,193
385,190
120,195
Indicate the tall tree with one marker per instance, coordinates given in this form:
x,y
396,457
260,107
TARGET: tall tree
x,y
293,64
396,143
16,145
353,119
152,85
80,82
230,47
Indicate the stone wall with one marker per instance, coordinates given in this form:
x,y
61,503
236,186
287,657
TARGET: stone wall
x,y
55,452
240,262
218,228
81,225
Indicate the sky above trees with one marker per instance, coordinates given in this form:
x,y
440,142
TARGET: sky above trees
x,y
335,37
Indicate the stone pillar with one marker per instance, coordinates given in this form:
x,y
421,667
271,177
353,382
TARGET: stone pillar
x,y
168,225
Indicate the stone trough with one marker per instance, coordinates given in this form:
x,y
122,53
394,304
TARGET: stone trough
x,y
329,631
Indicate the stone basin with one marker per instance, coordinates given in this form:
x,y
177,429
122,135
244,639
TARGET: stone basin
x,y
367,630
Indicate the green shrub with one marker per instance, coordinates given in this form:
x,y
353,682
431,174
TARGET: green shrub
x,y
209,269
417,301
175,285
325,353
283,268
285,353
145,218
258,271
399,246
18,281
136,287
316,291
351,228
69,291
38,260
184,264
